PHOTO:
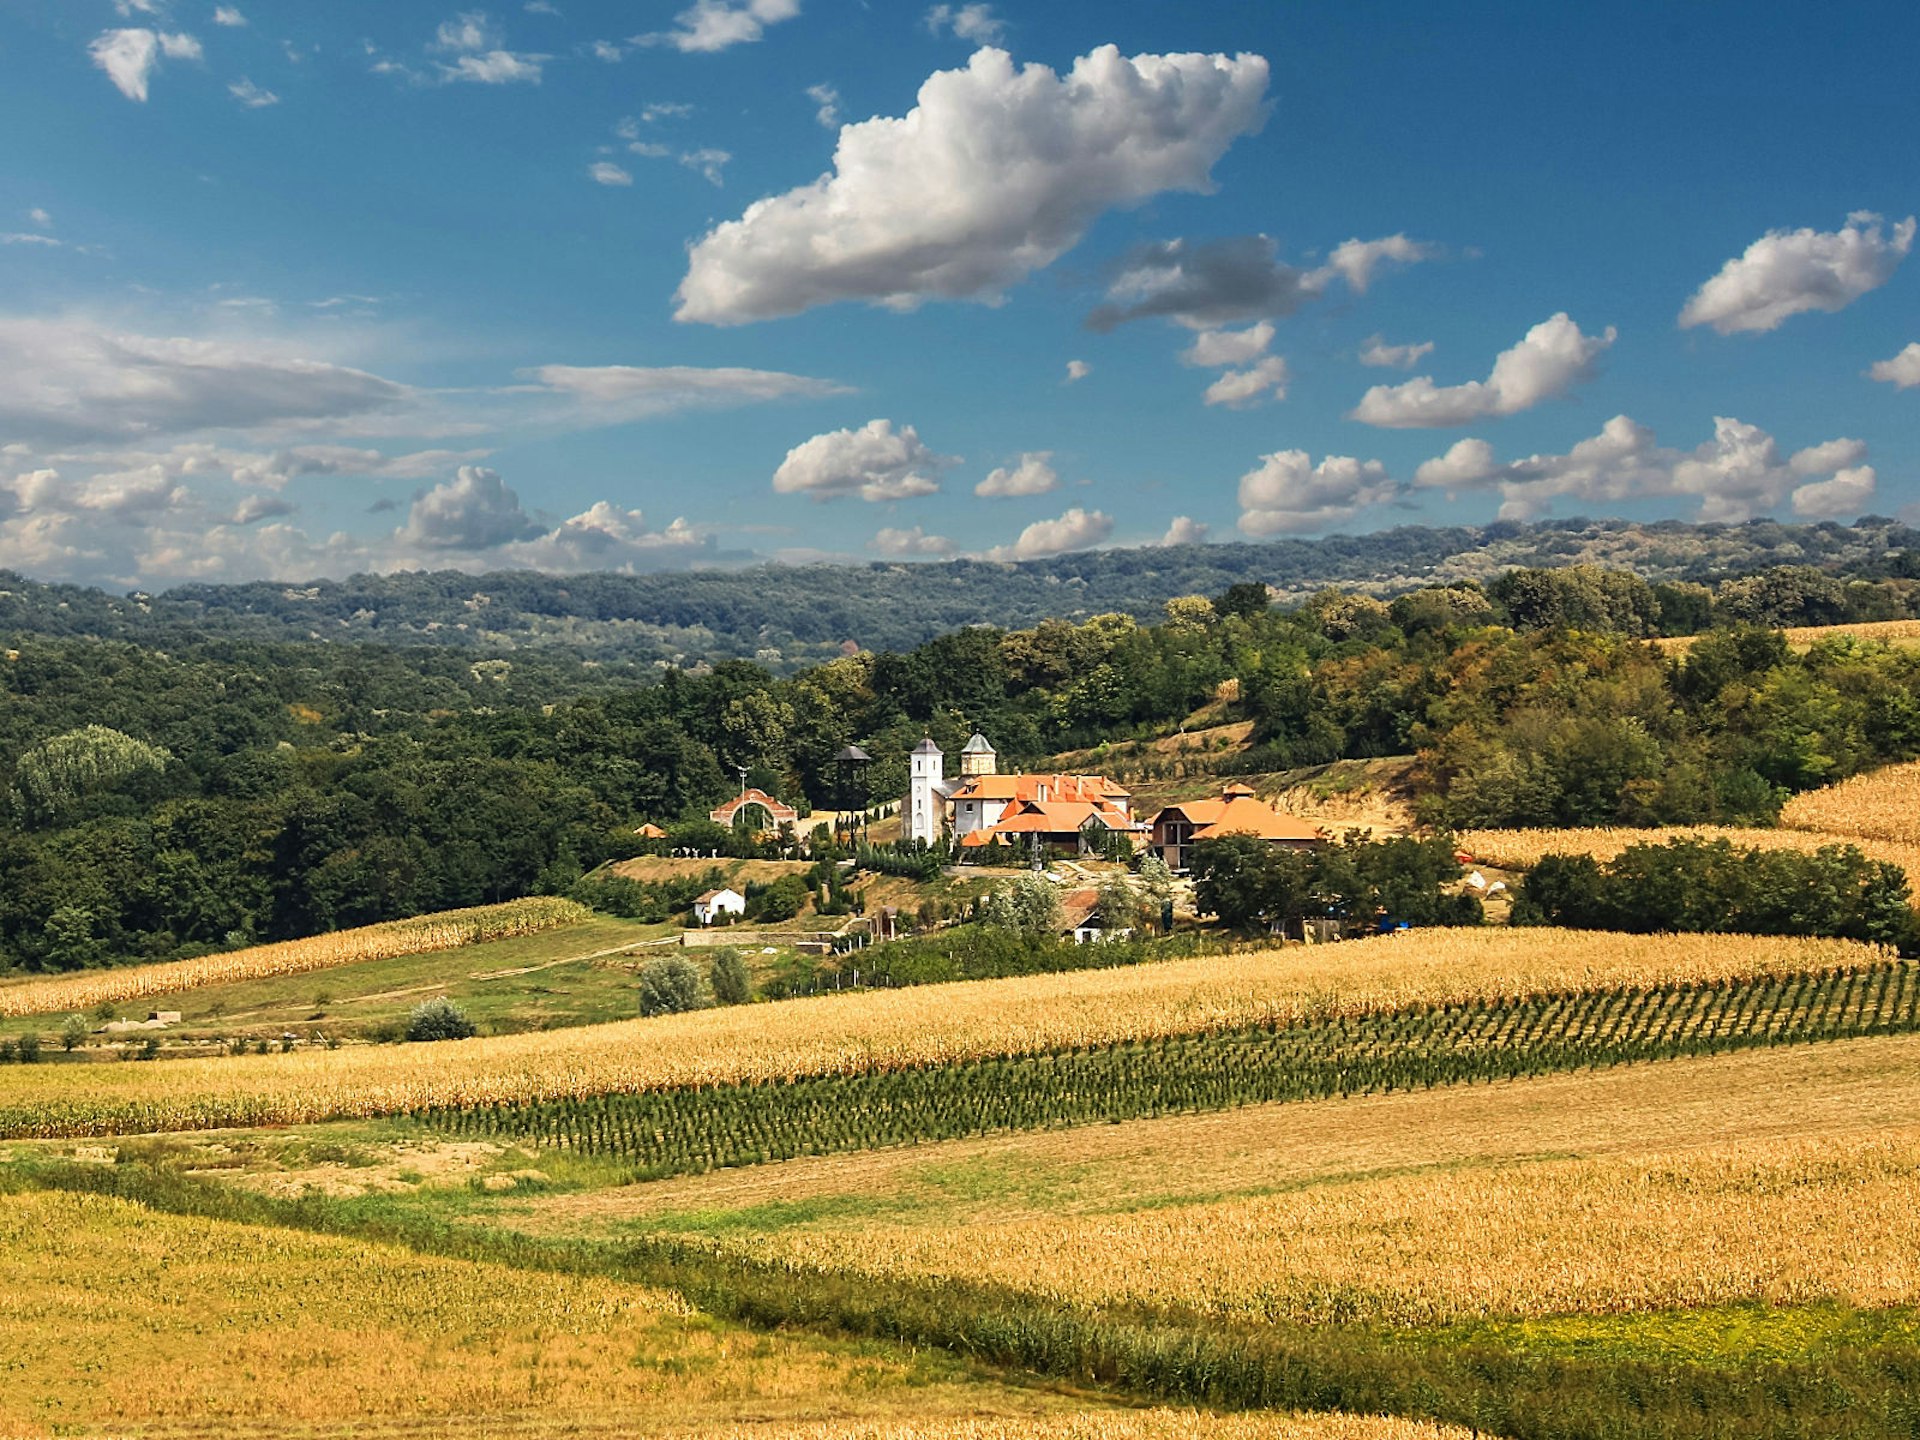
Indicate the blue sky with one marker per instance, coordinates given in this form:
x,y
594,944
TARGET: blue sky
x,y
290,290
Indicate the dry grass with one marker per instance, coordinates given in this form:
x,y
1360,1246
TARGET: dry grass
x,y
1798,1092
1519,849
1880,805
1123,1425
1803,637
1774,1221
448,930
885,1029
123,1319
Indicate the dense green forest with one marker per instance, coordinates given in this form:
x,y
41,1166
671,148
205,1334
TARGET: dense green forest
x,y
165,800
786,617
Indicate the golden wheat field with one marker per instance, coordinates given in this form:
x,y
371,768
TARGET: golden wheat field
x,y
241,1330
1773,1221
1519,849
1794,1092
884,1029
448,930
1882,804
1801,637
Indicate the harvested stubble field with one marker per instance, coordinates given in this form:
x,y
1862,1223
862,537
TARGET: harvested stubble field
x,y
1803,1092
240,1329
872,1031
448,930
1777,1222
1521,849
1882,805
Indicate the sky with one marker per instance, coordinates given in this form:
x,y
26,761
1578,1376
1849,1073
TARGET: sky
x,y
292,290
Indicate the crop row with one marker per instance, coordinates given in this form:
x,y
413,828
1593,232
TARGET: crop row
x,y
447,930
876,1030
693,1129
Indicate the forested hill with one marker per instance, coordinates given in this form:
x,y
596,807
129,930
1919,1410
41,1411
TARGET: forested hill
x,y
786,617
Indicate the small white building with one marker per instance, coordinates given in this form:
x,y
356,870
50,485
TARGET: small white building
x,y
708,908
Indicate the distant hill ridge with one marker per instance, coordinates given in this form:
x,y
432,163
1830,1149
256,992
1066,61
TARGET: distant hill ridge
x,y
788,616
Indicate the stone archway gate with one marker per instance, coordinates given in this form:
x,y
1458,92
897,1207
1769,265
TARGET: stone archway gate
x,y
778,813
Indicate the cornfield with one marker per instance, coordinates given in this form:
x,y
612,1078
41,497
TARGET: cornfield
x,y
1778,1222
1521,849
1113,1425
683,1131
886,1030
1881,805
448,930
1885,632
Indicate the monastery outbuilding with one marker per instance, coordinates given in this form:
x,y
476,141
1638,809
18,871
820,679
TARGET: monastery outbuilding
x,y
1238,811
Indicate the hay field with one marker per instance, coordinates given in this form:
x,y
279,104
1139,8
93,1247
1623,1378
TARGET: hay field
x,y
879,1030
1781,1221
236,1329
1519,849
1882,805
448,930
1799,1092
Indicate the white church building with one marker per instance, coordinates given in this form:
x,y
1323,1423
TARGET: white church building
x,y
984,807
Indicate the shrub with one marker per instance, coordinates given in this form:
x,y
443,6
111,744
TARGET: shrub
x,y
439,1019
669,986
728,977
27,1047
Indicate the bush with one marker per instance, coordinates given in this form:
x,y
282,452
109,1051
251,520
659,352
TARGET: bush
x,y
27,1047
728,977
439,1019
670,986
73,1034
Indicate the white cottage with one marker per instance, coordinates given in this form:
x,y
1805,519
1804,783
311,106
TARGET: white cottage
x,y
708,908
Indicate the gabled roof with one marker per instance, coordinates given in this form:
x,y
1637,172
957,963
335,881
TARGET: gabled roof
x,y
1238,812
713,895
1092,788
1061,817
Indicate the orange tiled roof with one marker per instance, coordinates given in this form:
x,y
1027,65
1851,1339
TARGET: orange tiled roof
x,y
1237,812
1091,788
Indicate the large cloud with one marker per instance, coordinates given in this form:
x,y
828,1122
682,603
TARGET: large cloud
x,y
910,542
1238,389
476,510
1552,358
1288,494
1786,272
70,379
1034,475
995,173
1734,476
1902,371
606,537
1075,530
1221,282
875,462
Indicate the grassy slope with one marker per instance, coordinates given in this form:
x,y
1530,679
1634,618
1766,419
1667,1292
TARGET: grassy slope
x,y
354,999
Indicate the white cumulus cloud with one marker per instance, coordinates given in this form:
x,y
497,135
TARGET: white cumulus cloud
x,y
827,99
1787,272
910,542
1552,358
1077,370
995,173
476,510
1237,389
1902,371
710,25
1288,494
1736,475
1185,530
605,172
875,462
1219,348
227,15
1075,530
1375,351
1034,475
